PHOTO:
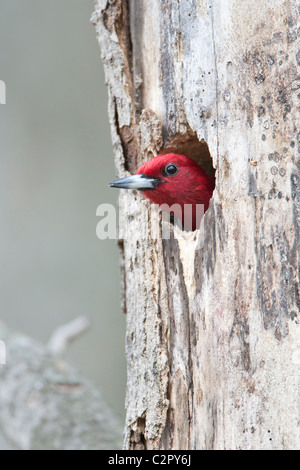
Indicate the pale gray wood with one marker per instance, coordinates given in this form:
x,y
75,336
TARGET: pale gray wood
x,y
212,331
45,404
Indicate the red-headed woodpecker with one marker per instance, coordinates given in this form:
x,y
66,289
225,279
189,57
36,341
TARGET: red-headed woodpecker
x,y
173,181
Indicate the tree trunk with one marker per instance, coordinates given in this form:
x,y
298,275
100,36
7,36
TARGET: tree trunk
x,y
212,328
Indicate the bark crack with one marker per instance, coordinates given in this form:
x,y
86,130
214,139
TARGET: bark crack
x,y
216,75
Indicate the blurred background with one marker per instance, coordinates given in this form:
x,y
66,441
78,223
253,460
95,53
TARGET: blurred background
x,y
56,162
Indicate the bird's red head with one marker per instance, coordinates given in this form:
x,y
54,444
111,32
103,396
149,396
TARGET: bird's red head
x,y
172,179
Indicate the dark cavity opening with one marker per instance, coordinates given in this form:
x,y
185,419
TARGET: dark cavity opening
x,y
188,144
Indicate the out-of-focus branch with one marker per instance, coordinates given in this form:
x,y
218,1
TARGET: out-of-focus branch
x,y
46,404
65,334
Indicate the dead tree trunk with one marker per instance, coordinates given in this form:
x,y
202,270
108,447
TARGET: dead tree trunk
x,y
212,330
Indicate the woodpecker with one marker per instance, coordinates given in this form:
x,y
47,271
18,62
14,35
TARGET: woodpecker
x,y
173,181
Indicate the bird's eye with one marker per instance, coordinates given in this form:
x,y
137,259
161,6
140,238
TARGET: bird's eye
x,y
171,169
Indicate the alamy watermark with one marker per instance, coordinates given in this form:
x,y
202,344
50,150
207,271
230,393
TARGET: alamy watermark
x,y
160,221
2,353
2,92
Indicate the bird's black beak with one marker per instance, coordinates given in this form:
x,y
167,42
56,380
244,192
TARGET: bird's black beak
x,y
142,182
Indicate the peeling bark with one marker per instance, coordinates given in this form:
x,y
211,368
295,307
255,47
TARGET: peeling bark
x,y
212,330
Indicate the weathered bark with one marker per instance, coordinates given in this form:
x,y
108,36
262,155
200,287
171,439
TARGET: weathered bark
x,y
46,405
213,330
